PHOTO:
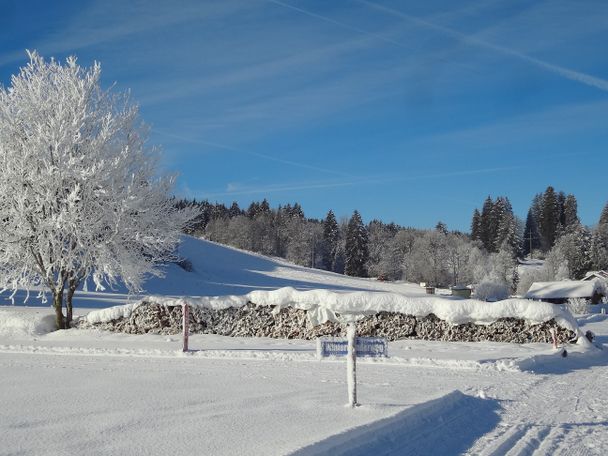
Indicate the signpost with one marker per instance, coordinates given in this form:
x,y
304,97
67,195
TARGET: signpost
x,y
373,347
351,347
351,365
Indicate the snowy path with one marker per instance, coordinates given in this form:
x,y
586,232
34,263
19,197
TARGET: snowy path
x,y
563,412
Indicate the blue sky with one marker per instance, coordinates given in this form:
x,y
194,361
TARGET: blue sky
x,y
411,112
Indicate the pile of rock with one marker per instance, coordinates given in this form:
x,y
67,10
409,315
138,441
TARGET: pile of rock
x,y
291,323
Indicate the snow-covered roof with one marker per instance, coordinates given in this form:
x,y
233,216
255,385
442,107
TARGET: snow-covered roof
x,y
596,275
565,289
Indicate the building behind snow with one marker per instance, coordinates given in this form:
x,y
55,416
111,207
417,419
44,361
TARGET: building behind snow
x,y
559,292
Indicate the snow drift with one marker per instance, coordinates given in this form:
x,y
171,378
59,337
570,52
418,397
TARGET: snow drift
x,y
26,321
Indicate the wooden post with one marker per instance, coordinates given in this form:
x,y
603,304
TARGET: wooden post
x,y
351,364
185,321
554,337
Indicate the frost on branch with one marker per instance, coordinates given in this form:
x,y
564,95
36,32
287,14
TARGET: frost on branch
x,y
80,196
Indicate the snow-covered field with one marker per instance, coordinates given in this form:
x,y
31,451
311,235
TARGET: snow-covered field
x,y
91,392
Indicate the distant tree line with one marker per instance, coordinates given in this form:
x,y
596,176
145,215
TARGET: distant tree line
x,y
348,246
437,256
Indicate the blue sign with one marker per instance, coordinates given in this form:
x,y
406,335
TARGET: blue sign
x,y
374,347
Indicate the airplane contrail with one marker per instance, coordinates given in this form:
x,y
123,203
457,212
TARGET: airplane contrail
x,y
379,180
253,154
573,75
568,73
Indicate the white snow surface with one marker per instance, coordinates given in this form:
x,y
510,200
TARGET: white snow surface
x,y
323,305
99,393
17,321
93,392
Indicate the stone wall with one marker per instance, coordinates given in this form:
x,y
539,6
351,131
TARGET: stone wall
x,y
291,323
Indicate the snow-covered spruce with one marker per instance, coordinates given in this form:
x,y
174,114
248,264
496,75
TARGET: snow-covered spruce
x,y
293,316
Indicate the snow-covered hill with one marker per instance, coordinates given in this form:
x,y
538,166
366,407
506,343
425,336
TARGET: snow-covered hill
x,y
218,270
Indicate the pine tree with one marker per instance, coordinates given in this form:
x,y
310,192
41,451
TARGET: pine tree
x,y
487,224
503,224
507,234
234,210
356,248
604,215
253,209
331,238
476,226
296,211
549,219
561,203
531,240
441,227
571,220
599,242
264,207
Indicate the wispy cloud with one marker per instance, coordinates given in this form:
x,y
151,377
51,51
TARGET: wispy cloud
x,y
240,150
373,180
568,73
99,23
531,129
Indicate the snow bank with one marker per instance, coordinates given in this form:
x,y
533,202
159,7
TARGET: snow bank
x,y
446,425
111,313
326,305
26,321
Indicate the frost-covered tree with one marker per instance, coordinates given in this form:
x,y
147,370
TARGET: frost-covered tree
x,y
427,263
79,195
356,247
575,247
401,251
599,247
458,249
381,260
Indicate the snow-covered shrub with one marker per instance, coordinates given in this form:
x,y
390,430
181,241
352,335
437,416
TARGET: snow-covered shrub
x,y
492,290
578,305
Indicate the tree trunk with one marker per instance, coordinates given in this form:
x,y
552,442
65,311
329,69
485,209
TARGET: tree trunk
x,y
58,305
68,303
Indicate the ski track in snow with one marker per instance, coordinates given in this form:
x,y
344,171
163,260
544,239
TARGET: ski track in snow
x,y
561,413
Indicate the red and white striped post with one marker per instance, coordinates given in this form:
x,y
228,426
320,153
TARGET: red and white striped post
x,y
554,337
185,321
